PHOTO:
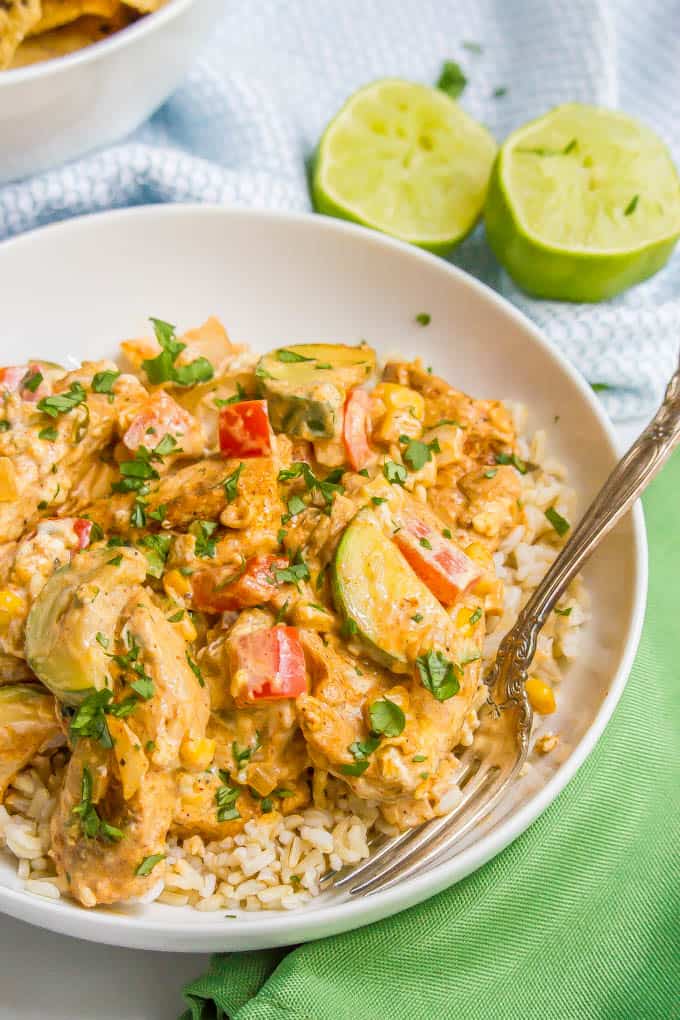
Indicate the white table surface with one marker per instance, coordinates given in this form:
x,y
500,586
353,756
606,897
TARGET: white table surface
x,y
45,975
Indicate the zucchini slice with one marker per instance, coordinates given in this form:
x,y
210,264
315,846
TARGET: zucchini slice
x,y
306,385
394,613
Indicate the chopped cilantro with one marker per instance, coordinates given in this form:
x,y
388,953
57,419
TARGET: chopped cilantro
x,y
632,206
236,398
394,473
423,319
386,718
355,768
476,616
438,675
499,92
91,824
292,574
163,369
417,453
144,687
102,382
138,514
378,500
564,612
491,473
559,523
115,561
512,458
446,532
156,549
49,433
148,864
159,513
419,757
296,505
230,483
290,357
204,543
417,617
360,749
599,387
425,543
62,403
452,80
196,670
472,47
31,382
4,425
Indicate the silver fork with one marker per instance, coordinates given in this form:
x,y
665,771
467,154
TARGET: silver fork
x,y
501,743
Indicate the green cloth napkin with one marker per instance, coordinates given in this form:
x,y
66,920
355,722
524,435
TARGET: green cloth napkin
x,y
579,918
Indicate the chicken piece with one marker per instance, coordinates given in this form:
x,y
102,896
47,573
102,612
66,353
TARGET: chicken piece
x,y
261,743
28,723
45,473
196,812
156,416
100,869
487,423
178,708
492,506
172,709
335,719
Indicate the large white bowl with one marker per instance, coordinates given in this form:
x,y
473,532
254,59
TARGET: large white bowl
x,y
57,110
74,290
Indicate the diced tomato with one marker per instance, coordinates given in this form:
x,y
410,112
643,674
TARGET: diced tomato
x,y
270,663
355,429
255,586
12,376
437,561
245,430
82,529
160,417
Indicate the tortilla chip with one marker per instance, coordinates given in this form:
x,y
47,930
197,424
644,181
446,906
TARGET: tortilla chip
x,y
62,41
145,6
17,17
56,13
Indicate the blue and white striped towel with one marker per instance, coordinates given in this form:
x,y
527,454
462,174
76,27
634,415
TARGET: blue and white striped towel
x,y
251,111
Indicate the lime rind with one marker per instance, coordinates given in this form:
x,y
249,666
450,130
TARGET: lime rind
x,y
582,204
407,160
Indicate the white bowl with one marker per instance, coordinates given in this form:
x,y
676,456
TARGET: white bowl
x,y
57,110
73,290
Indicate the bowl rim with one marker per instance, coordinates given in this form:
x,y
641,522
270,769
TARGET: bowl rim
x,y
200,935
137,30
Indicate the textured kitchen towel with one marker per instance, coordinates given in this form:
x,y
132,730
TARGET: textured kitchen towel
x,y
577,920
254,106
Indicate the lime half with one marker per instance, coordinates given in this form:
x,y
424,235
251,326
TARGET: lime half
x,y
582,204
404,159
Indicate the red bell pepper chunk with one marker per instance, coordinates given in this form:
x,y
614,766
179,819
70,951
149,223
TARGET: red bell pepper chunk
x,y
437,561
270,663
82,528
245,430
355,429
253,586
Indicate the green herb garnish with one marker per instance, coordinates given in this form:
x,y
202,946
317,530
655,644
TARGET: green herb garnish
x,y
148,864
386,718
62,403
163,369
452,80
559,523
438,675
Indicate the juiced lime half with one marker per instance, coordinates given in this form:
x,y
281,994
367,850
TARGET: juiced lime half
x,y
405,159
582,204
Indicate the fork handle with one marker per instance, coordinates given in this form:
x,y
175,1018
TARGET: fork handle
x,y
630,477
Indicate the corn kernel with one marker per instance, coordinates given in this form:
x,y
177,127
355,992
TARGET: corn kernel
x,y
8,481
404,412
186,628
198,753
480,554
176,584
463,618
541,696
12,606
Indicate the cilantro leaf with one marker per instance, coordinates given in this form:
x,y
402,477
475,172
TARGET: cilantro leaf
x,y
559,523
156,549
231,484
452,80
394,473
62,403
148,864
386,718
438,675
204,542
102,382
291,357
162,368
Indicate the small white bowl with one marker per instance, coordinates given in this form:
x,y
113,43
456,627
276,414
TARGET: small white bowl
x,y
72,291
55,111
